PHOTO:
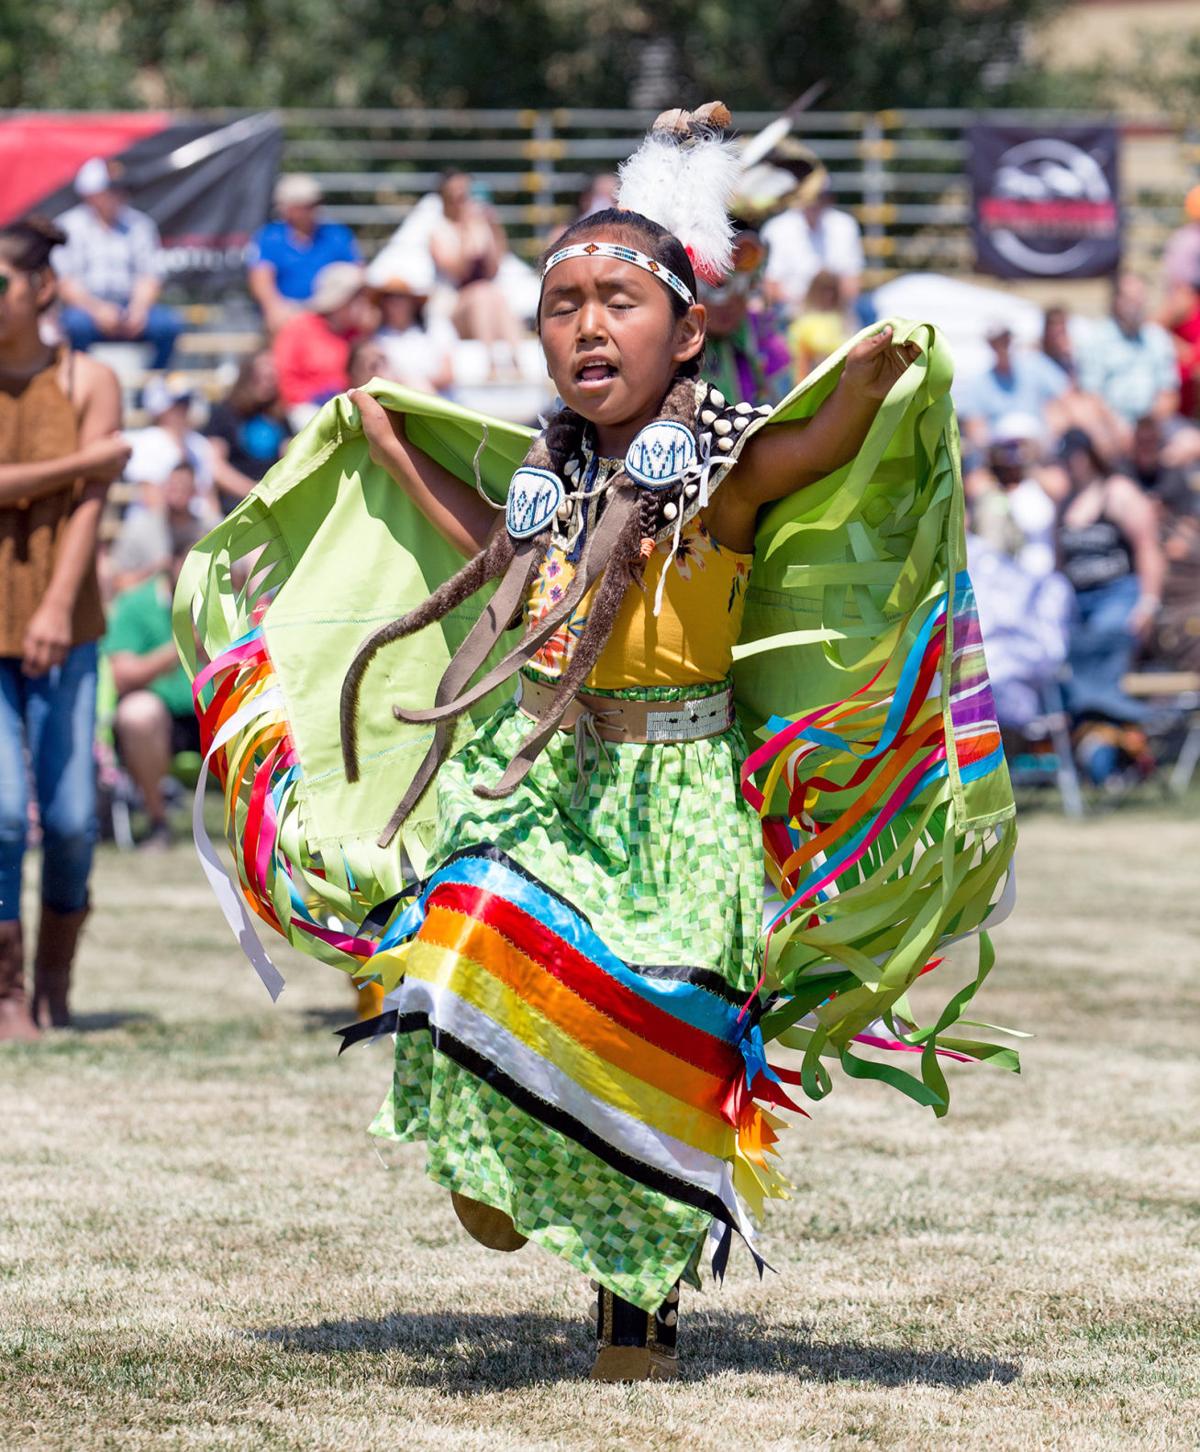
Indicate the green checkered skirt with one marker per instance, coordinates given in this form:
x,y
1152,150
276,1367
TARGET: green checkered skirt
x,y
658,849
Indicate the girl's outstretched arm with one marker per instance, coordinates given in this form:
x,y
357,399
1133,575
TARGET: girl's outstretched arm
x,y
789,456
452,507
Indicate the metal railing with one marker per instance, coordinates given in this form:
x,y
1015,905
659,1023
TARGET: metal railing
x,y
902,173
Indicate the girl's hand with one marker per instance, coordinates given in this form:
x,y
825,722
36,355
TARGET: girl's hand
x,y
47,638
382,429
873,366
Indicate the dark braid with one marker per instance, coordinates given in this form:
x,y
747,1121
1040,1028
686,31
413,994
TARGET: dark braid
x,y
610,592
563,436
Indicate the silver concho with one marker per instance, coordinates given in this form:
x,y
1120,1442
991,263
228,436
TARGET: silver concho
x,y
661,454
533,500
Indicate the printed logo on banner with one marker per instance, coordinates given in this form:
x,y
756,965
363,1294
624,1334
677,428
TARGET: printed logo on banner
x,y
1045,202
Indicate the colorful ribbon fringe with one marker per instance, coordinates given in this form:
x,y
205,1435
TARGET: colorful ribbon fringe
x,y
656,1072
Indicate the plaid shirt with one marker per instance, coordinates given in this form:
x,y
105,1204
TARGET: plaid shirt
x,y
104,260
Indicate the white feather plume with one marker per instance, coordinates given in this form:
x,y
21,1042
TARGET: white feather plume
x,y
686,186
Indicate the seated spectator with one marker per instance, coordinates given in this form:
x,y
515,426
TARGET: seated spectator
x,y
1025,620
811,237
1018,382
1180,315
746,355
247,431
820,328
110,269
1057,344
1148,463
419,347
157,448
1181,256
368,360
312,350
1016,515
598,196
1109,550
286,255
143,544
1176,640
1127,361
467,246
155,720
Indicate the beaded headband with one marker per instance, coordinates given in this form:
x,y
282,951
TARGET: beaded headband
x,y
622,254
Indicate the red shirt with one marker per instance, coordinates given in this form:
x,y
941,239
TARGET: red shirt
x,y
310,359
1188,332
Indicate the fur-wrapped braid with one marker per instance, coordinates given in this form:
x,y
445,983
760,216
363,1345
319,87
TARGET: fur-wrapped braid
x,y
624,507
613,556
491,561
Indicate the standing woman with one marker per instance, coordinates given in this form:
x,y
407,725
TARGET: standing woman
x,y
59,451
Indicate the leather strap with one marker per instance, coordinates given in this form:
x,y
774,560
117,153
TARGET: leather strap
x,y
596,553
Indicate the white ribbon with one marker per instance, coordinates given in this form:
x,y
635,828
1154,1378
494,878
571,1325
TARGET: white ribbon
x,y
225,890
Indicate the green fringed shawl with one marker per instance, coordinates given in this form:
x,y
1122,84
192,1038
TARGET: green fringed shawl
x,y
858,593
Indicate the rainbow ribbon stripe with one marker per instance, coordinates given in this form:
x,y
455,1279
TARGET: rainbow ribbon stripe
x,y
891,768
246,743
654,1070
657,1071
854,776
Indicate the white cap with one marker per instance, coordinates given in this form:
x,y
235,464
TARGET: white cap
x,y
409,271
335,285
1017,428
297,189
998,327
161,394
93,177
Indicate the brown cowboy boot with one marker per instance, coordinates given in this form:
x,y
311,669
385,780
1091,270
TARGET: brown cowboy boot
x,y
635,1345
16,1020
58,936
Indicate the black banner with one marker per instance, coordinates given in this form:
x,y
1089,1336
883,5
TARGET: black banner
x,y
1045,201
207,185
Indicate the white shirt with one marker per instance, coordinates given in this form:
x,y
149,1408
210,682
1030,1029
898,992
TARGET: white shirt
x,y
1035,516
797,249
156,453
418,353
108,261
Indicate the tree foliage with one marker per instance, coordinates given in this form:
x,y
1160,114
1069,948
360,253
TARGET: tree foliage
x,y
506,53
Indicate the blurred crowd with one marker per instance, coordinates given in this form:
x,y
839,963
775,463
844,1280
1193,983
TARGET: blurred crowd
x,y
1081,459
1081,443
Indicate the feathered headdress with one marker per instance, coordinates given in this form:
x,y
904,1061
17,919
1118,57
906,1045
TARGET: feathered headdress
x,y
683,177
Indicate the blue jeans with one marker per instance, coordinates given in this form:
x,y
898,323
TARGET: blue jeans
x,y
1101,652
163,326
53,717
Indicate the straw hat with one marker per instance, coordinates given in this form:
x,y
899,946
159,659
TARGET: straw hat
x,y
336,285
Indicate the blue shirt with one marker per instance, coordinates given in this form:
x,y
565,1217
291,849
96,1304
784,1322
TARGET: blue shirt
x,y
297,259
1127,371
1034,382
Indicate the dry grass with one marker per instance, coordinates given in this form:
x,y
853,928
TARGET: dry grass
x,y
199,1249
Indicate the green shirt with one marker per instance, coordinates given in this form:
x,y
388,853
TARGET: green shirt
x,y
139,622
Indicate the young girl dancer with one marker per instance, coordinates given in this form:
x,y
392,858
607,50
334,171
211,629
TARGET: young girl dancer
x,y
576,983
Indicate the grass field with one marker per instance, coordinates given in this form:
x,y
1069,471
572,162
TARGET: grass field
x,y
199,1247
